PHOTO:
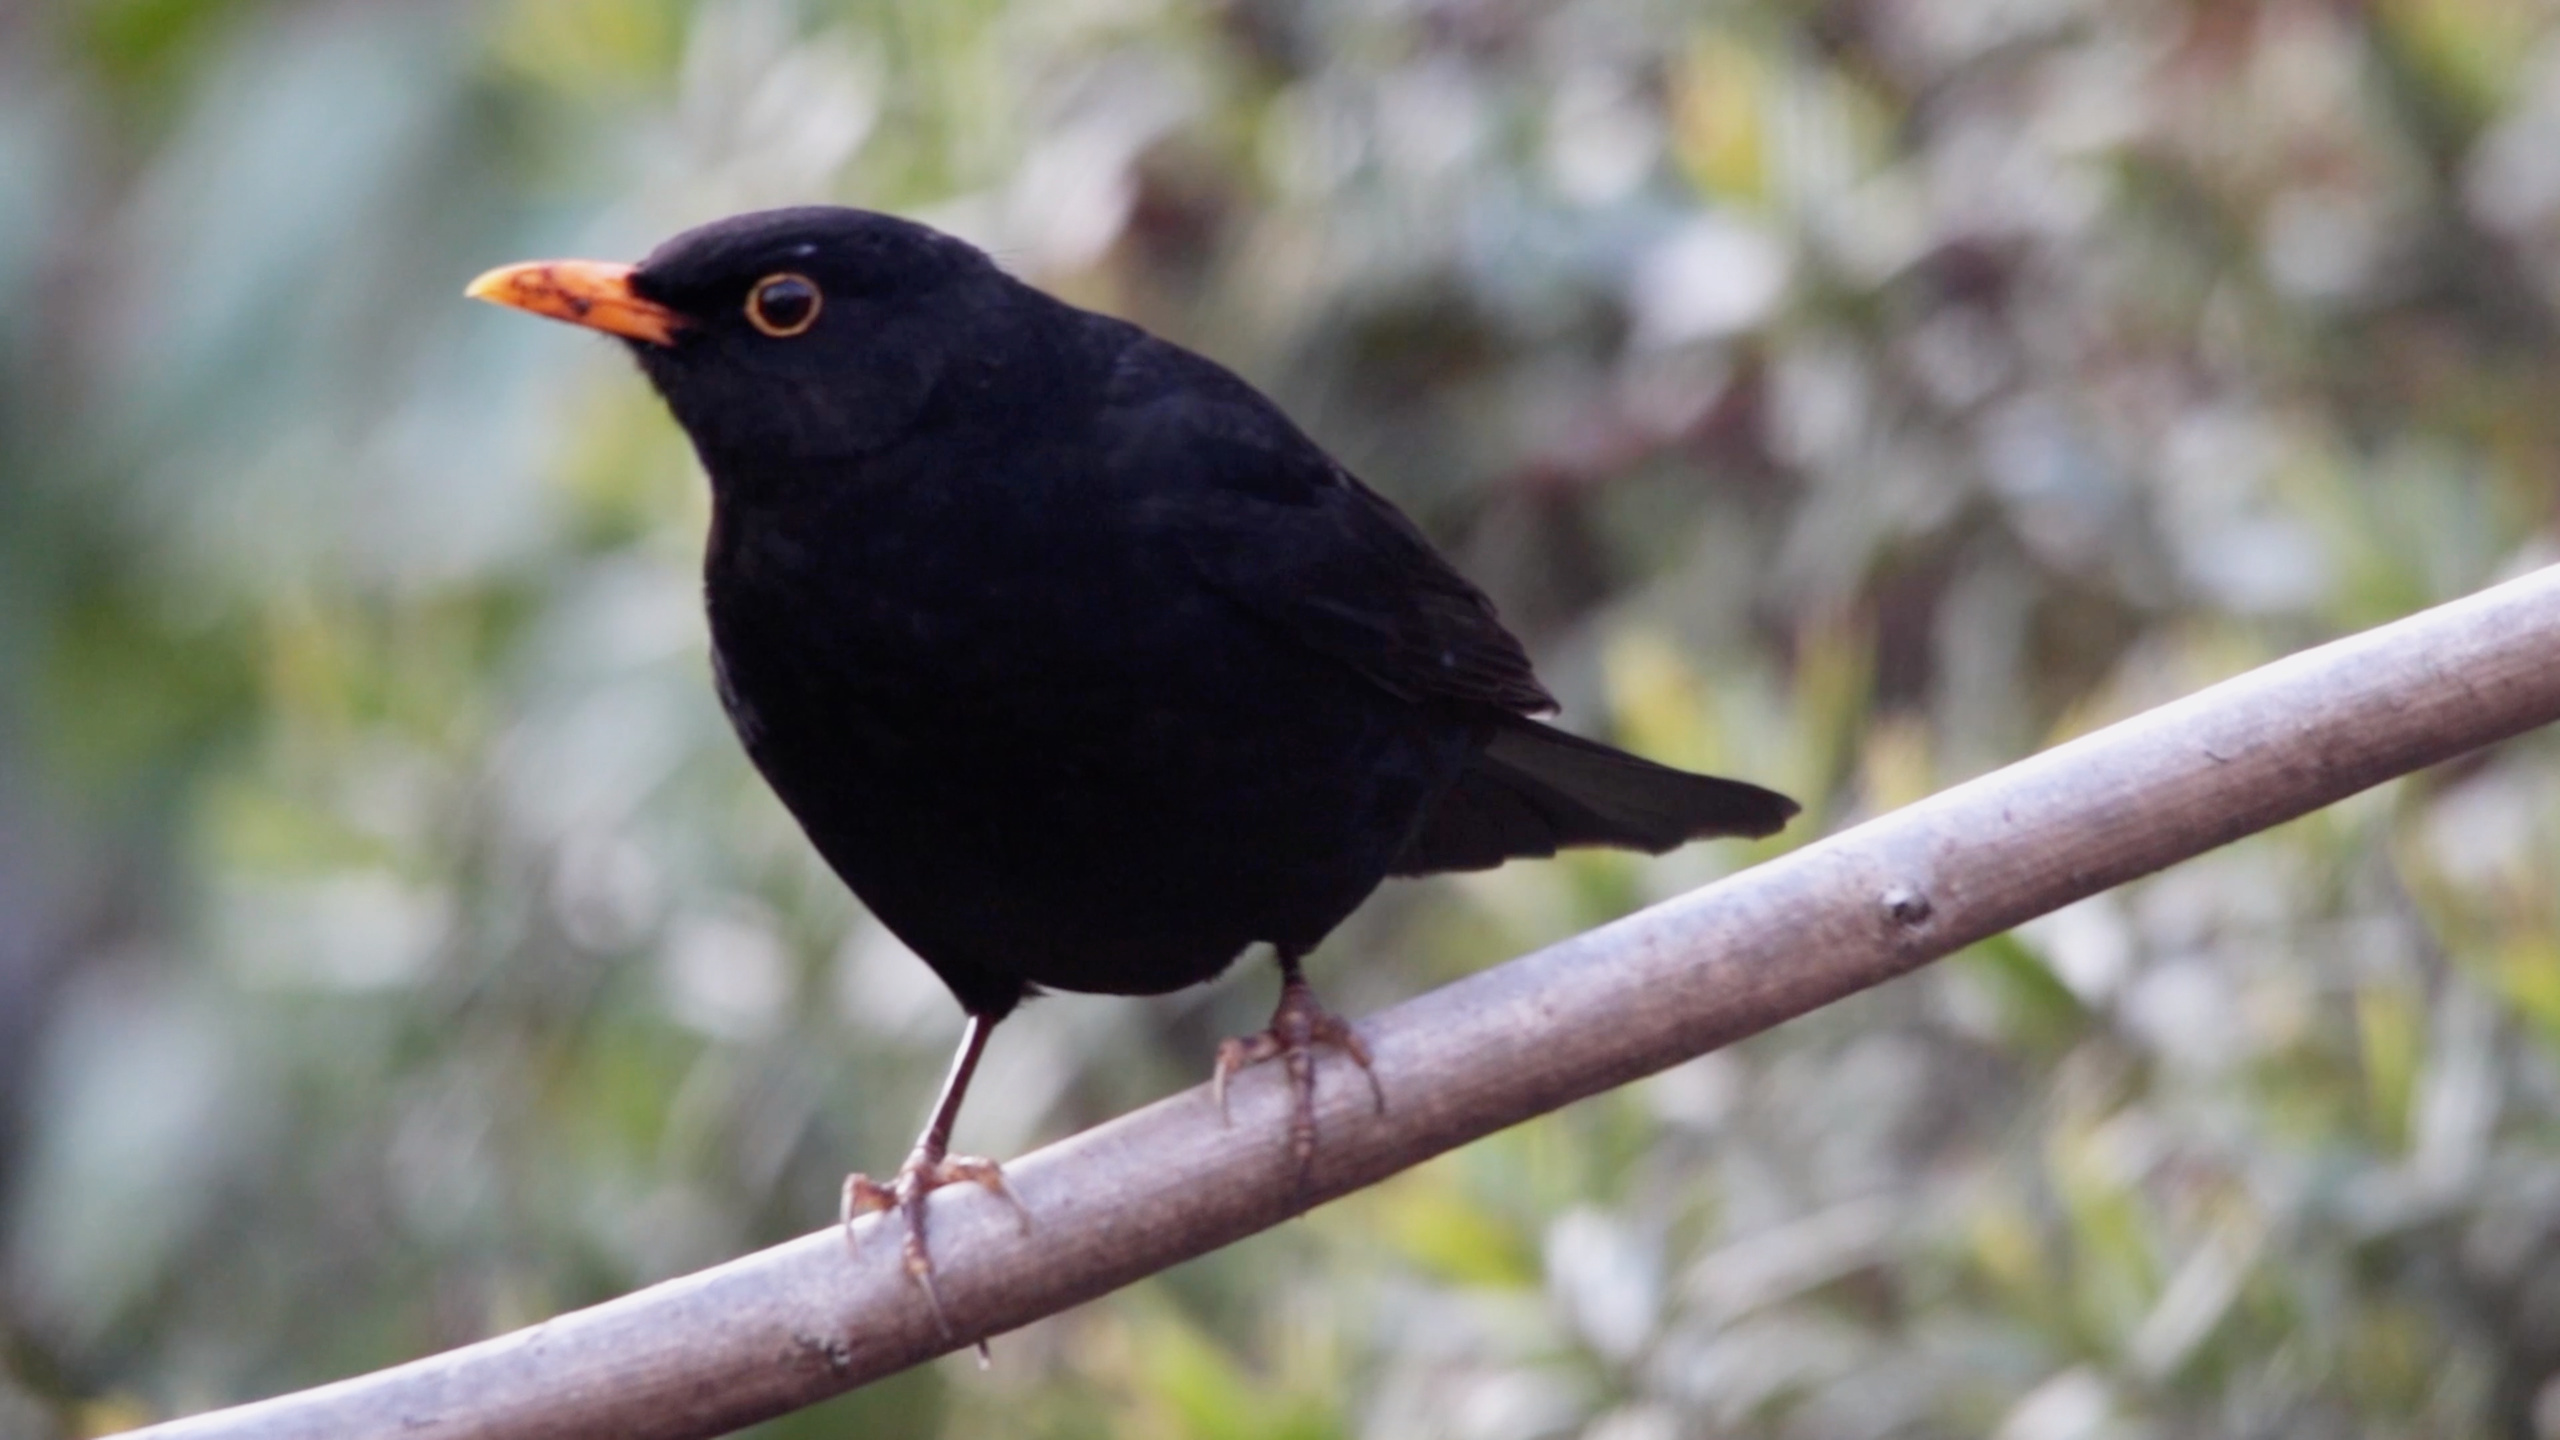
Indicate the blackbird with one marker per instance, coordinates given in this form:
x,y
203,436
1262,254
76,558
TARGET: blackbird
x,y
1079,662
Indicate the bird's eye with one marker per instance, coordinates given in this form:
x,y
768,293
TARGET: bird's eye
x,y
783,305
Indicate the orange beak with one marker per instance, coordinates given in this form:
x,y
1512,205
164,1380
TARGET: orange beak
x,y
593,293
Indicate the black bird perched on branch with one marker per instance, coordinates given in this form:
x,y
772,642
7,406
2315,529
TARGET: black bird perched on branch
x,y
1075,658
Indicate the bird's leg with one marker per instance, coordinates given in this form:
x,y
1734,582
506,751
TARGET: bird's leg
x,y
1299,1024
930,1167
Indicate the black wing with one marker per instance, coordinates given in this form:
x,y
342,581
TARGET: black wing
x,y
1267,519
1270,521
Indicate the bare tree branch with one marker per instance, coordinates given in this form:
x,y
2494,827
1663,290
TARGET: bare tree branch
x,y
795,1324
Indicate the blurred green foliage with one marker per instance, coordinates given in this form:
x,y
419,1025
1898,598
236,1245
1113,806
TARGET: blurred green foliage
x,y
395,949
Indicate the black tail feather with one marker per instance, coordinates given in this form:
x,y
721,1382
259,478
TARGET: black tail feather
x,y
1533,790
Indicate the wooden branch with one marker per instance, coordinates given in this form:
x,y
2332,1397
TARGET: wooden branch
x,y
797,1323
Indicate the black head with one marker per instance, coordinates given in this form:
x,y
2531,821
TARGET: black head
x,y
782,336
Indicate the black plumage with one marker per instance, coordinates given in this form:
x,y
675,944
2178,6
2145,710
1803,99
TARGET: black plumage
x,y
1080,663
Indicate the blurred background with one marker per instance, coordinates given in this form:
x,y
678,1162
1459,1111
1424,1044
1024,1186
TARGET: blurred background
x,y
1848,394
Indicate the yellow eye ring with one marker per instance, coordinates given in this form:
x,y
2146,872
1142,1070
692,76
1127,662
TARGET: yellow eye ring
x,y
784,304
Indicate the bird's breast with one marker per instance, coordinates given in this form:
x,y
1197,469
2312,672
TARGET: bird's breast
x,y
962,584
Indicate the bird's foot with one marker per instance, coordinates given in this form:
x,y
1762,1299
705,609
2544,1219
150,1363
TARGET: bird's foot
x,y
925,1172
1298,1025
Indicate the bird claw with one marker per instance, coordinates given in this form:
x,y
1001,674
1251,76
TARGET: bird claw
x,y
1299,1024
923,1174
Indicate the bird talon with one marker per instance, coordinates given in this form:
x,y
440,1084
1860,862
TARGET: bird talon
x,y
919,1267
924,1173
1234,1054
1331,1029
929,1167
987,1175
1299,1025
863,1196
